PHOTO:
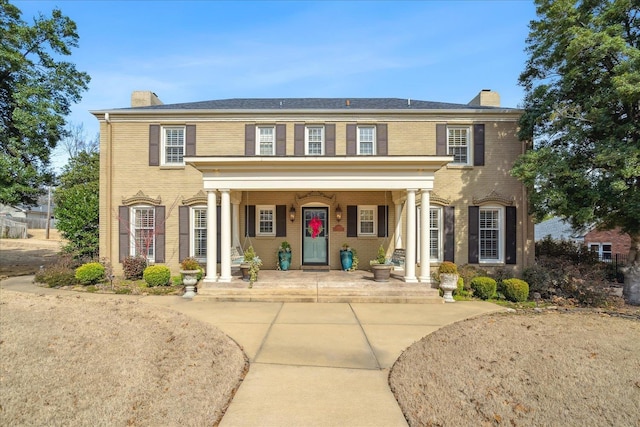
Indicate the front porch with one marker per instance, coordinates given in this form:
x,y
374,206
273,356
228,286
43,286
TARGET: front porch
x,y
320,286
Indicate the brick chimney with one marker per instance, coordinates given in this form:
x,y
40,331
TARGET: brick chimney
x,y
144,98
486,98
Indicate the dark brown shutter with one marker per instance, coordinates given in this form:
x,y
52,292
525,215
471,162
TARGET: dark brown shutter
x,y
383,221
330,140
441,140
478,145
154,145
510,235
381,140
183,232
352,139
160,237
250,221
474,233
352,221
281,220
449,233
190,141
298,140
124,230
249,140
281,140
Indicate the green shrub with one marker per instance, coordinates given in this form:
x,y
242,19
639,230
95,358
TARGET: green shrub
x,y
133,267
515,290
483,287
157,275
90,273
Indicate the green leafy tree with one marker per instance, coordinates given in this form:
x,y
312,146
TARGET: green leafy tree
x,y
77,204
36,93
582,111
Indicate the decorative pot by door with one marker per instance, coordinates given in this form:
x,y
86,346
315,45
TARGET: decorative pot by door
x,y
315,236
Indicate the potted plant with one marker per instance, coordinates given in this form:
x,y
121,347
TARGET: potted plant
x,y
250,266
284,256
189,268
346,257
381,266
448,274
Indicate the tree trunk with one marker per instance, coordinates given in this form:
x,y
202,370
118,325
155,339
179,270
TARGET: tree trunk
x,y
632,272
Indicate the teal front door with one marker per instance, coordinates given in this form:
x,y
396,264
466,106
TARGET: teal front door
x,y
315,236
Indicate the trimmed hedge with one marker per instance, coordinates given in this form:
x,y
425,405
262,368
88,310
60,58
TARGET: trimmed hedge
x,y
157,275
483,287
516,290
90,273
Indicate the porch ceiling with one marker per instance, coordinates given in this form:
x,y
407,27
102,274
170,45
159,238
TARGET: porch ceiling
x,y
318,173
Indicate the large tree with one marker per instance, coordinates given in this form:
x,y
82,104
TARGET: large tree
x,y
36,93
582,112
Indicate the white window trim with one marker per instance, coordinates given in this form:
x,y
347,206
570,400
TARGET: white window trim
x,y
306,140
192,232
440,233
132,224
163,142
272,208
501,231
273,143
374,232
373,143
601,251
469,130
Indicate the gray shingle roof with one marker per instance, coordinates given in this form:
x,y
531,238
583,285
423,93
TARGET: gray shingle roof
x,y
315,104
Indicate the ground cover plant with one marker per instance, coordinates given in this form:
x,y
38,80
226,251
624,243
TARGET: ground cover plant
x,y
84,359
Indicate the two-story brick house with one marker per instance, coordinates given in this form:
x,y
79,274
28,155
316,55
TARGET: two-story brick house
x,y
198,179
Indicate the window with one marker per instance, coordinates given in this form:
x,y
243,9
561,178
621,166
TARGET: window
x,y
490,232
143,231
366,140
604,250
435,234
314,140
266,140
367,220
458,144
173,146
266,220
199,233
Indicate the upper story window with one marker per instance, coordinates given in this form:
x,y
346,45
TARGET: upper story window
x,y
366,140
266,220
173,145
367,220
143,224
314,140
491,232
266,140
459,144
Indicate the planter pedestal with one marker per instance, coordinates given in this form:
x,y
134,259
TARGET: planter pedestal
x,y
189,279
448,284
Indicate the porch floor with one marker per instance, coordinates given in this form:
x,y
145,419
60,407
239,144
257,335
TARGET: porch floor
x,y
320,286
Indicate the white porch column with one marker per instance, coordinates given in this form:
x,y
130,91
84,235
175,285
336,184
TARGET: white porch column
x,y
425,240
398,232
410,254
212,255
236,197
225,236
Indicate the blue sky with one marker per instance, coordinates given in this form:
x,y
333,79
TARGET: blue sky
x,y
201,50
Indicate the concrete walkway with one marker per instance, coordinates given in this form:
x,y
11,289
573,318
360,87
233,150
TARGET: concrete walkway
x,y
314,364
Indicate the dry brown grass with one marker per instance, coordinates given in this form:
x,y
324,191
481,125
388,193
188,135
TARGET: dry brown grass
x,y
551,369
95,360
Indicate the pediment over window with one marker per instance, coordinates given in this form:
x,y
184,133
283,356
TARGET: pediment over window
x,y
315,197
141,199
200,198
437,199
494,197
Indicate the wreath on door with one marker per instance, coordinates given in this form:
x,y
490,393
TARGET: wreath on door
x,y
315,227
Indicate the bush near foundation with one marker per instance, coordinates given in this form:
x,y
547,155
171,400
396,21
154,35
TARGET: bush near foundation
x,y
515,290
133,267
483,287
90,273
157,275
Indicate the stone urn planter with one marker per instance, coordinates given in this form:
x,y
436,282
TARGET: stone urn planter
x,y
448,274
381,272
189,280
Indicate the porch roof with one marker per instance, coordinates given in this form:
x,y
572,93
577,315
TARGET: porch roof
x,y
369,173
